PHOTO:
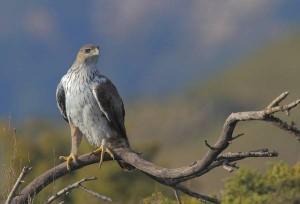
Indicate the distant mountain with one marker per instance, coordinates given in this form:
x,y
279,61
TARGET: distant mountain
x,y
180,124
147,48
171,131
268,72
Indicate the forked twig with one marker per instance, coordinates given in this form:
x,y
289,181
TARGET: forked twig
x,y
174,178
95,194
77,184
177,196
12,193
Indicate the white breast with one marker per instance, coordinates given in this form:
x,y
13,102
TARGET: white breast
x,y
82,108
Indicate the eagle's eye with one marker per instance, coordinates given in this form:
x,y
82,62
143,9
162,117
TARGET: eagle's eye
x,y
87,50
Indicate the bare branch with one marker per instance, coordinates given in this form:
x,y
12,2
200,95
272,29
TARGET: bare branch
x,y
282,108
67,189
196,195
290,128
173,177
12,193
209,146
277,100
228,167
257,153
77,184
177,196
95,194
237,136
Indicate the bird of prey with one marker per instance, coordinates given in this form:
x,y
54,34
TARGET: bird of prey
x,y
92,106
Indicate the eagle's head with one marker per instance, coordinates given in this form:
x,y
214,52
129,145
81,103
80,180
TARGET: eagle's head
x,y
88,54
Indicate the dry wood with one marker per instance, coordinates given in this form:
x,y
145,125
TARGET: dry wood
x,y
177,196
176,176
12,193
78,185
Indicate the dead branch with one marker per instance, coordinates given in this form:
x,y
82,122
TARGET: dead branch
x,y
237,136
277,100
12,193
176,176
177,196
256,153
290,128
95,194
77,184
196,195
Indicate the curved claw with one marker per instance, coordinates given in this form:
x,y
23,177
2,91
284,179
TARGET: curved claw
x,y
69,160
102,150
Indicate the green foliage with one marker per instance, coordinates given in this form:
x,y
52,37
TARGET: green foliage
x,y
41,149
159,198
179,125
280,184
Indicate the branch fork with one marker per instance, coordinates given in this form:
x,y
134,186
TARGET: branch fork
x,y
175,177
78,185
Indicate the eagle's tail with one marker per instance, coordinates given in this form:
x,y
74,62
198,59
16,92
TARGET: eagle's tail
x,y
121,143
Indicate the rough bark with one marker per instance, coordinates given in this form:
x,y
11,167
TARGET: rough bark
x,y
176,176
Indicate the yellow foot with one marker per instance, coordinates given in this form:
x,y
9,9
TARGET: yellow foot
x,y
69,160
101,150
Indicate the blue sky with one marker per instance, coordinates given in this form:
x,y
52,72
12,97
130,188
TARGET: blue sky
x,y
149,48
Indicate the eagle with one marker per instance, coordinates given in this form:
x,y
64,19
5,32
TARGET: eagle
x,y
90,103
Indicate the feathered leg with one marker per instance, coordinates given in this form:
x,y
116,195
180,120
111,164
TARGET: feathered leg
x,y
76,137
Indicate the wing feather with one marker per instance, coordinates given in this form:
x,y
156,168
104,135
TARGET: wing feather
x,y
61,101
111,104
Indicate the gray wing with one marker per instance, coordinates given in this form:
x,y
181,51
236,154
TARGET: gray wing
x,y
110,104
61,101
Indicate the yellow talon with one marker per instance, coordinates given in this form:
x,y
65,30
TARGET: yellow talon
x,y
69,160
110,153
101,150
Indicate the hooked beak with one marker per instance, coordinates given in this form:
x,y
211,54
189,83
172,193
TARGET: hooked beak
x,y
96,51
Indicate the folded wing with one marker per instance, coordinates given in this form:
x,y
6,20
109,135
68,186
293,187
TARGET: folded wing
x,y
110,104
61,101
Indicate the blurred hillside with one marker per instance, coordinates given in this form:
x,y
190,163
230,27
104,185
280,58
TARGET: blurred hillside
x,y
172,131
181,124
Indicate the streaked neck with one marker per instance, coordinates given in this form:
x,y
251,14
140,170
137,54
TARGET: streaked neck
x,y
83,69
